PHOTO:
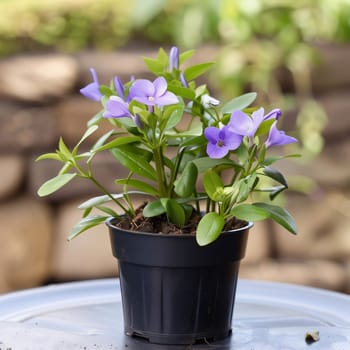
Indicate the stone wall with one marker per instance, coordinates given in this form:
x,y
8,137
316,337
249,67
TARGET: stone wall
x,y
39,101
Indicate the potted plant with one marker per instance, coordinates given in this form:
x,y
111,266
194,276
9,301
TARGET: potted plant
x,y
201,166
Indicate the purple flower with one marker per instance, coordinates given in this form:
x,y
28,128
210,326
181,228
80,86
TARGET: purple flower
x,y
274,114
173,58
152,94
183,80
119,88
221,141
116,107
278,137
242,124
92,90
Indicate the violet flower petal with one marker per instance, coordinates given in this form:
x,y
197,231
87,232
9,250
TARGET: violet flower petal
x,y
278,137
241,124
274,114
221,141
141,88
116,108
160,86
167,99
173,58
119,87
92,90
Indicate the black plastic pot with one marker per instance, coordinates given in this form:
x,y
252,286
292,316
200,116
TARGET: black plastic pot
x,y
174,291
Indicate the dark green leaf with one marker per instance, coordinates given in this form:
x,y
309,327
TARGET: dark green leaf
x,y
239,103
206,163
280,215
175,212
55,184
186,182
209,228
134,162
275,175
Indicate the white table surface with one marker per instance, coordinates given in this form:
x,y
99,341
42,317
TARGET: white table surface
x,y
88,315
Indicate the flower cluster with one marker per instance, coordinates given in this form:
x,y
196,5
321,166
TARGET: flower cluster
x,y
181,147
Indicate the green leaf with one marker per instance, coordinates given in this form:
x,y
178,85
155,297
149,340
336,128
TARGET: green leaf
x,y
175,212
174,118
86,223
63,150
139,185
95,119
181,91
195,130
55,184
239,103
276,175
96,201
87,133
102,140
153,65
264,127
206,163
249,212
118,142
53,156
209,228
134,162
184,56
280,215
195,71
212,183
107,210
186,182
154,208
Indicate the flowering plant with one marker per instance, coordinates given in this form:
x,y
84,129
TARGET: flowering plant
x,y
182,148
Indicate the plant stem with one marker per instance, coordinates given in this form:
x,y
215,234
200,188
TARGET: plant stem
x,y
162,183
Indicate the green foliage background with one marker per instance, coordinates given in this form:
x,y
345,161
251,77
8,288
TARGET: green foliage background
x,y
254,40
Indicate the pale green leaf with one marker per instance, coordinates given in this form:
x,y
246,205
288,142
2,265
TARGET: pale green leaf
x,y
239,103
195,71
209,228
85,224
139,185
154,208
55,184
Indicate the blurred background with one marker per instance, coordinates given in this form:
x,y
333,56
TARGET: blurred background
x,y
295,54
